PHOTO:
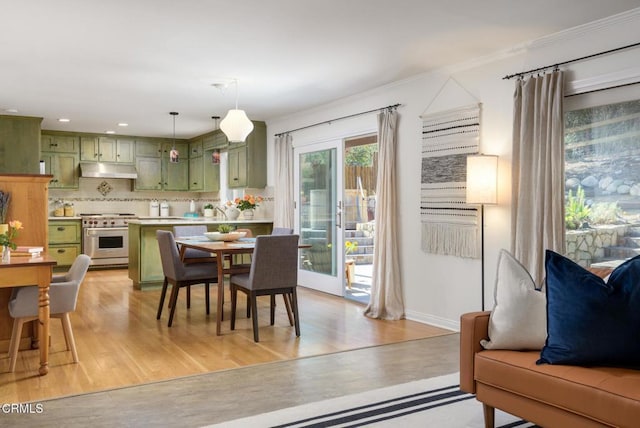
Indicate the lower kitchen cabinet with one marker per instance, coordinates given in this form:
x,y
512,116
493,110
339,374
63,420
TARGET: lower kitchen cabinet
x,y
145,267
65,241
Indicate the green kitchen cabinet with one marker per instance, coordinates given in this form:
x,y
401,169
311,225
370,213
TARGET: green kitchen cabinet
x,y
204,175
215,140
63,167
195,148
237,167
247,163
149,173
60,143
175,175
148,148
158,173
19,144
196,176
64,241
106,149
145,267
211,173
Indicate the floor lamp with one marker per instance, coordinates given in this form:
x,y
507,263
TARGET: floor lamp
x,y
482,189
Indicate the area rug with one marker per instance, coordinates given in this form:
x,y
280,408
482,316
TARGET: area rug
x,y
434,402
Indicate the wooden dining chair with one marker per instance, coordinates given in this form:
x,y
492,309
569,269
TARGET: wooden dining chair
x,y
274,270
180,274
63,297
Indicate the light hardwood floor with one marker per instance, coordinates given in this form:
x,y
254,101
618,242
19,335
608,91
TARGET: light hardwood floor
x,y
120,342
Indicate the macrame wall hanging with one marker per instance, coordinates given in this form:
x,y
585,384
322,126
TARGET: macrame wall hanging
x,y
449,225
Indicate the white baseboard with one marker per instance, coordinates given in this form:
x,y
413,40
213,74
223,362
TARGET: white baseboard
x,y
433,320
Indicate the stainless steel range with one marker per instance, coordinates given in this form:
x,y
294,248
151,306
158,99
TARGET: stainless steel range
x,y
105,238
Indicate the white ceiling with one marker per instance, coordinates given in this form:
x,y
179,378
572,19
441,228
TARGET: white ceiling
x,y
100,62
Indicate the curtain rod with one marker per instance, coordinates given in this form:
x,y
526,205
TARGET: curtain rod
x,y
339,118
511,76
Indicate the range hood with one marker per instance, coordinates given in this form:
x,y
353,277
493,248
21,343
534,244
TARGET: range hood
x,y
107,170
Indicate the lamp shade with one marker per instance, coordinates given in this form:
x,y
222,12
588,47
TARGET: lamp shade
x,y
236,126
482,179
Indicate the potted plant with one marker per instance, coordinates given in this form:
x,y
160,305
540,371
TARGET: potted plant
x,y
208,210
225,228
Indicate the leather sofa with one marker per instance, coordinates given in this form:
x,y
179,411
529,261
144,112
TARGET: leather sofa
x,y
547,395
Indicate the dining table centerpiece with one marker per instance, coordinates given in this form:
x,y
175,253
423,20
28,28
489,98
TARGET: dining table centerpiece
x,y
7,239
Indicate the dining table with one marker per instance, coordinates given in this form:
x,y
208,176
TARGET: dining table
x,y
23,271
222,249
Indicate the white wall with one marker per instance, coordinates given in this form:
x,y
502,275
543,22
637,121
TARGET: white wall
x,y
438,289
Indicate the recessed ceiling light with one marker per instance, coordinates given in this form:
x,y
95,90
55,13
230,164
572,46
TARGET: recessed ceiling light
x,y
11,110
64,119
123,124
109,132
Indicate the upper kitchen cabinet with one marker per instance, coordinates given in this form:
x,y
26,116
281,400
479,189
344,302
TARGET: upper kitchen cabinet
x,y
175,174
247,163
63,167
60,143
60,153
158,172
148,148
107,149
215,140
195,148
19,144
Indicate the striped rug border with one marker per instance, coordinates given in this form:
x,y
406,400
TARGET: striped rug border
x,y
392,408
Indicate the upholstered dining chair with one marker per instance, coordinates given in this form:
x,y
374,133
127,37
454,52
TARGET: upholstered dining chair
x,y
191,254
281,231
63,297
180,274
274,270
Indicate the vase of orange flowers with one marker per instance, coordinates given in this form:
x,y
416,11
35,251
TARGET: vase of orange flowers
x,y
247,205
7,240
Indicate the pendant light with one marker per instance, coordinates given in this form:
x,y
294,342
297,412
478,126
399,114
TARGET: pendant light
x,y
236,125
174,155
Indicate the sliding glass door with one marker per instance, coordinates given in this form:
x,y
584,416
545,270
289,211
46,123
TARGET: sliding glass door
x,y
319,215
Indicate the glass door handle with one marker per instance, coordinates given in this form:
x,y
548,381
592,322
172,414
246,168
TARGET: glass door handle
x,y
339,219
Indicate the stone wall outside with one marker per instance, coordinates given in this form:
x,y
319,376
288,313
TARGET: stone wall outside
x,y
587,246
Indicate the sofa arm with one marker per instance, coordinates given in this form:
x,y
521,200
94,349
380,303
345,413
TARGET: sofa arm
x,y
474,326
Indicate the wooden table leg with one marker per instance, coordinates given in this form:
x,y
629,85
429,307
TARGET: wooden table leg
x,y
43,323
220,259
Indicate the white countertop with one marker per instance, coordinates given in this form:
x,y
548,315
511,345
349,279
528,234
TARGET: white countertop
x,y
151,221
75,217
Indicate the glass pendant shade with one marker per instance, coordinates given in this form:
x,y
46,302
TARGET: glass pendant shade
x,y
236,126
174,155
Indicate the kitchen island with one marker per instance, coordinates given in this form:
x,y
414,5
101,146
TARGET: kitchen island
x,y
145,267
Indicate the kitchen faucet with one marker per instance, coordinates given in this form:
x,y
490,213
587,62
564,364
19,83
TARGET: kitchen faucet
x,y
224,214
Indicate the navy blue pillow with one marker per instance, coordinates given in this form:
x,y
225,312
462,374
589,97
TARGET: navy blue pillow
x,y
590,322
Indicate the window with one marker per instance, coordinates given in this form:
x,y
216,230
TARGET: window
x,y
602,176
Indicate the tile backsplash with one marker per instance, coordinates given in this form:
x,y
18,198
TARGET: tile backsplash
x,y
100,196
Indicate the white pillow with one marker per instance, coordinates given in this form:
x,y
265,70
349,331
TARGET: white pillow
x,y
519,318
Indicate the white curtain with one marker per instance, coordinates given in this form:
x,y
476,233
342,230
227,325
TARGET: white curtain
x,y
386,288
537,220
283,193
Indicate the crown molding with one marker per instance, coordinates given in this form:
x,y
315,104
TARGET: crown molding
x,y
581,30
603,81
551,39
